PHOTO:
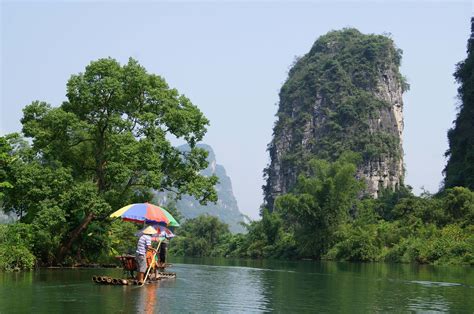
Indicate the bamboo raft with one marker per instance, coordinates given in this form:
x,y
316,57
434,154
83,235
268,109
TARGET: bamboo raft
x,y
105,280
130,267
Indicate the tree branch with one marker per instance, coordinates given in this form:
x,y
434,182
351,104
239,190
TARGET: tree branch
x,y
81,141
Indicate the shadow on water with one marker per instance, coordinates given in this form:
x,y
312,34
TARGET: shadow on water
x,y
223,285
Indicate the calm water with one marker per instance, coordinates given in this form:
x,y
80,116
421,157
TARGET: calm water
x,y
206,285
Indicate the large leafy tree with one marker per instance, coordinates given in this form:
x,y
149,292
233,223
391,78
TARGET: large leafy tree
x,y
108,145
460,167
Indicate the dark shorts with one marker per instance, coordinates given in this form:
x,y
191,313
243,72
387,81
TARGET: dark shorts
x,y
141,262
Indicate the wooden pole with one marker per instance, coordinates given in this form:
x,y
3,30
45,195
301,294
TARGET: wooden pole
x,y
152,261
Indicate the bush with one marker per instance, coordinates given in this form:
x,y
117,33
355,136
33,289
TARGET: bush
x,y
356,244
15,241
15,258
451,245
430,245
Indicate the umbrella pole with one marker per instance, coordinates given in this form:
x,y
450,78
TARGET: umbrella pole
x,y
152,261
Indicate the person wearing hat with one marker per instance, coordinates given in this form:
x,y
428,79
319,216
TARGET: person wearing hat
x,y
144,244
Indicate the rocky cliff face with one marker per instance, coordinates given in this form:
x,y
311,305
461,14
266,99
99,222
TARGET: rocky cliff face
x,y
345,94
226,208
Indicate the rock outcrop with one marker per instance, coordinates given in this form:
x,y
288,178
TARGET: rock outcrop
x,y
345,94
226,208
459,170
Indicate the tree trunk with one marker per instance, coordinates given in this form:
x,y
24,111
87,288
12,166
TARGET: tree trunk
x,y
100,175
74,234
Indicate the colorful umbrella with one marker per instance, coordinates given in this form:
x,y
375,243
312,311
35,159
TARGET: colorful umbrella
x,y
146,212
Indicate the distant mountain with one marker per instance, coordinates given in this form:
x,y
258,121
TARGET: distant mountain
x,y
226,208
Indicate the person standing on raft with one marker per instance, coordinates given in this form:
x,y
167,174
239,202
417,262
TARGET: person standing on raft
x,y
144,244
162,251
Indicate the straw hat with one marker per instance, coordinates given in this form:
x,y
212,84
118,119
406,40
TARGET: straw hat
x,y
149,230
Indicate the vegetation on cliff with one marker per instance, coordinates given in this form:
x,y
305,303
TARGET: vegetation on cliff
x,y
459,170
333,102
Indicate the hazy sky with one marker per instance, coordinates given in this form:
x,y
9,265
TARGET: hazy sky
x,y
230,59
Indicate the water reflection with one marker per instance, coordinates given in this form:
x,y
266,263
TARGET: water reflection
x,y
147,301
203,288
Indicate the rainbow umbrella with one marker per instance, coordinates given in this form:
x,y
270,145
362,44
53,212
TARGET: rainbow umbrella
x,y
146,212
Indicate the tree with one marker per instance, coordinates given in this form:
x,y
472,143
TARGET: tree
x,y
458,204
459,170
320,202
5,160
110,142
201,236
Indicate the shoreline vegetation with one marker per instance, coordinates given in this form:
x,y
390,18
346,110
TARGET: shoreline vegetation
x,y
398,227
107,146
440,240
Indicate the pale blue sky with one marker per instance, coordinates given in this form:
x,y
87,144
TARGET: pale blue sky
x,y
230,59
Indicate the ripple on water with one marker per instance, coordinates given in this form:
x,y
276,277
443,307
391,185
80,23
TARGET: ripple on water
x,y
435,283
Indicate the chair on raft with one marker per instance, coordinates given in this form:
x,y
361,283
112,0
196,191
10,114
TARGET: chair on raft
x,y
129,265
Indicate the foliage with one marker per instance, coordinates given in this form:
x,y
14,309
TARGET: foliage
x,y
121,238
269,238
357,243
428,229
106,146
15,253
397,227
458,204
5,160
202,236
320,202
448,245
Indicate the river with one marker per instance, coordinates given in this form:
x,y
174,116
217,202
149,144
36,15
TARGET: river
x,y
219,285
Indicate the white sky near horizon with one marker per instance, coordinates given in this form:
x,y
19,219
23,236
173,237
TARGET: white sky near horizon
x,y
231,59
